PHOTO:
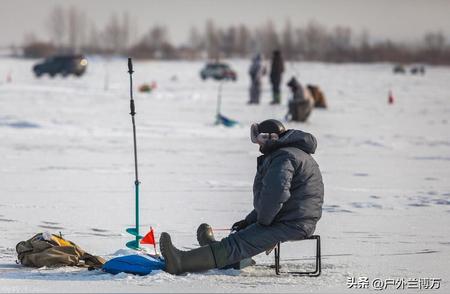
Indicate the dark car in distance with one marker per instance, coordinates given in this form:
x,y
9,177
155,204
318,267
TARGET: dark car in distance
x,y
218,71
62,64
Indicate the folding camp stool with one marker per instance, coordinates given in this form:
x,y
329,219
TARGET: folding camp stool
x,y
314,273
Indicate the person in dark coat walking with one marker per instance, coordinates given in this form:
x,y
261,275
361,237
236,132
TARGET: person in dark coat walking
x,y
276,72
287,199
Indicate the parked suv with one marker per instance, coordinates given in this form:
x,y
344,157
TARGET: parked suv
x,y
218,71
62,64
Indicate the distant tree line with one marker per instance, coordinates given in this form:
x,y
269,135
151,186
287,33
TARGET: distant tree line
x,y
71,31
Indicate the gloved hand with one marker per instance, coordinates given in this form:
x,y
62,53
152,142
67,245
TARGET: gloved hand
x,y
240,225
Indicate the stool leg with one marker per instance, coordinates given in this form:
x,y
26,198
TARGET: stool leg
x,y
318,266
277,259
318,259
318,270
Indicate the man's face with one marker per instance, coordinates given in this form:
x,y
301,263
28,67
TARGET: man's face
x,y
262,138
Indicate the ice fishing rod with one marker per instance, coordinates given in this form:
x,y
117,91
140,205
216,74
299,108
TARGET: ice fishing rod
x,y
219,104
134,231
221,229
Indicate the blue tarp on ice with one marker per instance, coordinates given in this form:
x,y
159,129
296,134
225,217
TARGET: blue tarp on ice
x,y
133,264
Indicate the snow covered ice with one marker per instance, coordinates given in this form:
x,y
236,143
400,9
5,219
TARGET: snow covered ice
x,y
67,165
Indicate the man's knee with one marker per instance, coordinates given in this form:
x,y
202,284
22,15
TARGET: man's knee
x,y
249,242
221,254
252,241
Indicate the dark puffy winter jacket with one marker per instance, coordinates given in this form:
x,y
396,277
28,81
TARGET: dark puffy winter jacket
x,y
288,184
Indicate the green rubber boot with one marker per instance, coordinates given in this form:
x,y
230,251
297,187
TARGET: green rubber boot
x,y
205,235
180,262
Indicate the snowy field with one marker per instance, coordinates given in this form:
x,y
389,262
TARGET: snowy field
x,y
66,164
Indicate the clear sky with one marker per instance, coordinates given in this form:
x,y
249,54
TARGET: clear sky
x,y
400,20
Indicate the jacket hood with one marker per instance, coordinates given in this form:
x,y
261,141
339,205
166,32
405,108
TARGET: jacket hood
x,y
293,83
292,138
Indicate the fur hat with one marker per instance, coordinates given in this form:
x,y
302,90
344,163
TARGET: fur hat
x,y
270,129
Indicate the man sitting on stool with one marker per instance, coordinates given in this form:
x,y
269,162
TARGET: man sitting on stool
x,y
287,199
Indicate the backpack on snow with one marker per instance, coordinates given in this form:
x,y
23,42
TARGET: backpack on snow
x,y
50,250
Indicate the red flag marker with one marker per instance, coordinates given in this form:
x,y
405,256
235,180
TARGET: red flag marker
x,y
390,97
149,239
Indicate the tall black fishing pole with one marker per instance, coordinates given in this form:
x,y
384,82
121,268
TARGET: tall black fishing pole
x,y
134,231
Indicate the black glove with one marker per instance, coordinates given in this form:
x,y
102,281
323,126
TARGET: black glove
x,y
240,225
